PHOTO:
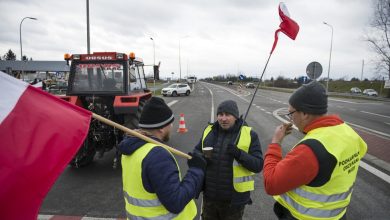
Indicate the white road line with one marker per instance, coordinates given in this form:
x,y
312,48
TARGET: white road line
x,y
93,218
375,114
364,165
172,103
212,104
376,172
45,217
388,123
369,129
338,100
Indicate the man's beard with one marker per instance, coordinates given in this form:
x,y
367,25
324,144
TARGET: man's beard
x,y
166,137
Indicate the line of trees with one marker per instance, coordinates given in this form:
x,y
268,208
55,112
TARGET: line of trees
x,y
10,55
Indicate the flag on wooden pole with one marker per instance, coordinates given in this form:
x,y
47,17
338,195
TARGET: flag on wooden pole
x,y
39,135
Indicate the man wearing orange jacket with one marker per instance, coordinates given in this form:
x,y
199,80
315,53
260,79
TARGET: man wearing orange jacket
x,y
315,179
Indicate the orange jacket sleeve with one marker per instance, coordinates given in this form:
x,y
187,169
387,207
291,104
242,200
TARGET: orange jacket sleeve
x,y
299,167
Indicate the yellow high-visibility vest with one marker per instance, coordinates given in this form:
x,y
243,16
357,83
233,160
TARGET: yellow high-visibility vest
x,y
140,204
243,180
329,201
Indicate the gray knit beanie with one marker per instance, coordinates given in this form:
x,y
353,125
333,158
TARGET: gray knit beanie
x,y
310,98
228,106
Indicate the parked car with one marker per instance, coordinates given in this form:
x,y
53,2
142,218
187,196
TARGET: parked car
x,y
370,92
250,85
230,83
355,90
176,89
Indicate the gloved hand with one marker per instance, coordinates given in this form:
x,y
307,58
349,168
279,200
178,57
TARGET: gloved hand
x,y
233,150
198,161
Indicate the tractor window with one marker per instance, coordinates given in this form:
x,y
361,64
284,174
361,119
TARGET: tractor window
x,y
142,76
98,77
132,76
137,77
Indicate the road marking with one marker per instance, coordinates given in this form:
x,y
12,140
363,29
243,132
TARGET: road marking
x,y
387,123
212,104
375,132
364,165
376,172
63,217
45,217
338,100
172,103
375,114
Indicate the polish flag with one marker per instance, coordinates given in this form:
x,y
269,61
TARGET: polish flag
x,y
39,135
288,26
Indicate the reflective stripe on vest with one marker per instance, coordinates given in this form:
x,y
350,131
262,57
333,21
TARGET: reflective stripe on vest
x,y
320,213
329,201
140,204
243,180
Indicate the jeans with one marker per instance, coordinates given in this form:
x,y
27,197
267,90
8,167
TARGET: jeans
x,y
221,210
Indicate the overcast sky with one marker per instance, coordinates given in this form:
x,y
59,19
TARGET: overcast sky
x,y
216,37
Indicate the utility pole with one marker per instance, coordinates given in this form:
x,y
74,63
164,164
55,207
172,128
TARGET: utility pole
x,y
361,76
330,56
88,41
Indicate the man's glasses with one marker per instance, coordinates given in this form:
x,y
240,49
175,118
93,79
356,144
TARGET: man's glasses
x,y
289,115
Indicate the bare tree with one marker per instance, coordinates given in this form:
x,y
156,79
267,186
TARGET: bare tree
x,y
379,37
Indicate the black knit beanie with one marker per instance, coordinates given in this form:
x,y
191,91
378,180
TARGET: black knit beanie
x,y
156,114
228,106
310,98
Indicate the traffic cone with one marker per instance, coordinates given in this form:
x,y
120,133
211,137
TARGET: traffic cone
x,y
182,125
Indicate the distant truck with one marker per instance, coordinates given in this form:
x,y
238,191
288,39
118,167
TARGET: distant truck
x,y
109,84
191,79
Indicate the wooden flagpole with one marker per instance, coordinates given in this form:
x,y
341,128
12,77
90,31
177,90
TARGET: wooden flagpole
x,y
136,134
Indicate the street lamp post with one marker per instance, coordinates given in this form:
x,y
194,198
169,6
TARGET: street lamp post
x,y
180,58
154,53
179,63
20,35
330,56
88,36
20,40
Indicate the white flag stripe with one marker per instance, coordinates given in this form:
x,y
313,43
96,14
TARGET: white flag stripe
x,y
38,85
284,9
10,91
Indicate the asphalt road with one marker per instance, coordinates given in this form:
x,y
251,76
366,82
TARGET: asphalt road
x,y
96,190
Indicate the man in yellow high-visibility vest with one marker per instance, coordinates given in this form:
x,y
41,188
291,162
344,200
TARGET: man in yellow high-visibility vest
x,y
315,179
152,184
231,169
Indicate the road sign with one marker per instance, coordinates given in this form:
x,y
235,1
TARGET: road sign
x,y
314,70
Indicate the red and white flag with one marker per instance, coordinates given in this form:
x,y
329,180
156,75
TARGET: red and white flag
x,y
288,26
39,135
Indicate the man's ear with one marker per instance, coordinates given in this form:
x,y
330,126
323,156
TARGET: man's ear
x,y
305,116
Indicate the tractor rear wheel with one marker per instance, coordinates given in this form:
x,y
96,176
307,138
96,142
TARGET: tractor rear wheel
x,y
131,120
85,154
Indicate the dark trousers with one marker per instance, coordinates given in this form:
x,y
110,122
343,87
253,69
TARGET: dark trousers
x,y
221,210
283,213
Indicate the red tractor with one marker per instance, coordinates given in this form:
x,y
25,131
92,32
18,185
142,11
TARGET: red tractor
x,y
109,84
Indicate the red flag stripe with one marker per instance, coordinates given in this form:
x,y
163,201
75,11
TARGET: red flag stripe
x,y
39,136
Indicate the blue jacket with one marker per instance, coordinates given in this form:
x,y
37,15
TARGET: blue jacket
x,y
161,176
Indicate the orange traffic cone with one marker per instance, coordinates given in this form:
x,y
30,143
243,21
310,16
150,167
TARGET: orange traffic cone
x,y
182,125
